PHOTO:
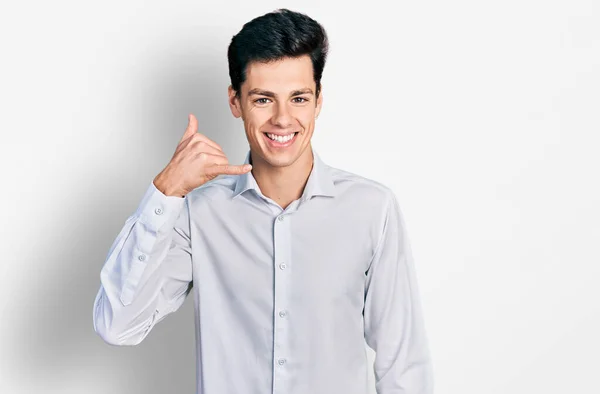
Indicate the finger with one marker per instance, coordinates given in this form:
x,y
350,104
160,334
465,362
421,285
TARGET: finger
x,y
214,159
192,127
228,169
212,151
211,143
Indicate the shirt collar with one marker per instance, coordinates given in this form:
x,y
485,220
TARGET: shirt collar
x,y
320,182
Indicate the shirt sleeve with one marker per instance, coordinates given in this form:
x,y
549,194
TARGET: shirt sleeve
x,y
148,270
393,319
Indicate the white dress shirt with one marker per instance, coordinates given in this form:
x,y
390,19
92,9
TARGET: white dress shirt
x,y
284,298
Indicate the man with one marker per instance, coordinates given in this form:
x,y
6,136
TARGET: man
x,y
292,265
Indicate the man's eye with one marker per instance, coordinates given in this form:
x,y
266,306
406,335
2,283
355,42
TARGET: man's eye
x,y
259,100
301,98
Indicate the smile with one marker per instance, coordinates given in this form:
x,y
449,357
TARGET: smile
x,y
280,141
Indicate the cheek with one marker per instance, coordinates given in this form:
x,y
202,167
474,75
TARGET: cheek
x,y
257,118
305,115
308,118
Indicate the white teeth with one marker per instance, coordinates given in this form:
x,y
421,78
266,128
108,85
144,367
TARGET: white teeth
x,y
281,139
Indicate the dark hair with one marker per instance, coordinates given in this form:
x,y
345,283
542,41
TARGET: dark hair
x,y
274,36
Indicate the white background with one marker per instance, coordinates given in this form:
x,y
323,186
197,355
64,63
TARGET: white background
x,y
482,116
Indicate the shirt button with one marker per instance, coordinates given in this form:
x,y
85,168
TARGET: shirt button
x,y
281,361
282,313
141,257
158,211
280,218
282,266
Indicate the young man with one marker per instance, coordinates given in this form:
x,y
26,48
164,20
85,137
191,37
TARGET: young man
x,y
292,266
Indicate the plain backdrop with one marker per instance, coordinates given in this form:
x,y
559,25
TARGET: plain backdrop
x,y
482,116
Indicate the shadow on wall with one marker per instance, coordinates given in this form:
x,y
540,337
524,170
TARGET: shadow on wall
x,y
55,348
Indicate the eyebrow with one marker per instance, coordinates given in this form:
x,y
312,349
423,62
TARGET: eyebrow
x,y
271,94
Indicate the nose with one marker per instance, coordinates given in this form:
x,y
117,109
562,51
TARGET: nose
x,y
282,116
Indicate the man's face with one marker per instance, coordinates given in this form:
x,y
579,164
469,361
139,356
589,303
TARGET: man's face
x,y
278,98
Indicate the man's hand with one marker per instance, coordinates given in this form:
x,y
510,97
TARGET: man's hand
x,y
197,160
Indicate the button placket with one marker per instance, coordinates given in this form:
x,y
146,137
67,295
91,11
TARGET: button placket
x,y
283,271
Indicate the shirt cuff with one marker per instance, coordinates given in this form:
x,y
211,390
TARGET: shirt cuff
x,y
157,210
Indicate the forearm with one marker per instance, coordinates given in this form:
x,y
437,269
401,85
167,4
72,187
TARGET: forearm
x,y
128,302
147,272
394,323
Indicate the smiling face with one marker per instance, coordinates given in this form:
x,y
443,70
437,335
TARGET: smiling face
x,y
278,98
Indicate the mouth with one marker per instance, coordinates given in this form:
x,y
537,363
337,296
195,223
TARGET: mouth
x,y
280,141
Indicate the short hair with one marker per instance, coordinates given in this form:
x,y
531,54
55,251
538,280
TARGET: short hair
x,y
274,36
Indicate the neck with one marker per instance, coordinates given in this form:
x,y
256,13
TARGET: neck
x,y
283,184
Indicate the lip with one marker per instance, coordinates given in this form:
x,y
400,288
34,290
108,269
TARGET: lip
x,y
276,144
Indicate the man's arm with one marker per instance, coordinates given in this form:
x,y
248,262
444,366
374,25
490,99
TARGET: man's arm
x,y
148,270
394,326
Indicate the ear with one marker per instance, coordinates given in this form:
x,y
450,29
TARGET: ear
x,y
234,102
319,102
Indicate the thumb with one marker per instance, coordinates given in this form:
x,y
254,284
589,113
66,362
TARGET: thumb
x,y
192,127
